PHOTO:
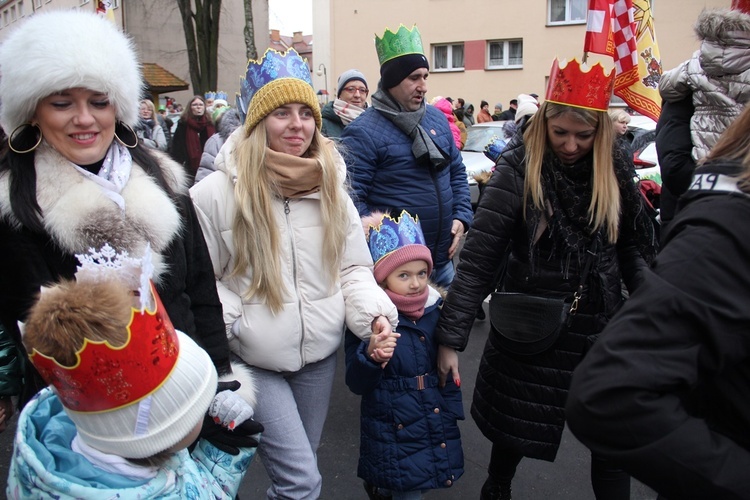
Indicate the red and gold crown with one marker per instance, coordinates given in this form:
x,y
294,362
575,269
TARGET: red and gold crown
x,y
582,87
106,378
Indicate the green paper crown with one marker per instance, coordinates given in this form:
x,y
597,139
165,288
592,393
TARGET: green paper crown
x,y
404,41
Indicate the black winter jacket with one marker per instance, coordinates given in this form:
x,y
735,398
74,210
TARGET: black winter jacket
x,y
666,390
519,401
77,215
674,149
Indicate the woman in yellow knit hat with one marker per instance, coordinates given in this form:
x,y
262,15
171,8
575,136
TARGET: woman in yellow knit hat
x,y
291,263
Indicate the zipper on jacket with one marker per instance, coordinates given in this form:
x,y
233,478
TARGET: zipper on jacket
x,y
294,278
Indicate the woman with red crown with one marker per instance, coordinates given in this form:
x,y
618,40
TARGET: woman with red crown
x,y
561,218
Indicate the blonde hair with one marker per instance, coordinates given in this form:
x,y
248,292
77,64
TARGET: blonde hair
x,y
604,210
150,106
256,230
734,144
619,115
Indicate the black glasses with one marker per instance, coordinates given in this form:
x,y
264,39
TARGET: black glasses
x,y
354,90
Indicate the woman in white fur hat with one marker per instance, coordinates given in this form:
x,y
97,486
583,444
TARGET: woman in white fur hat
x,y
75,177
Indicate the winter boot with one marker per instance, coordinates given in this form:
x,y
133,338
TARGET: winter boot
x,y
493,490
373,493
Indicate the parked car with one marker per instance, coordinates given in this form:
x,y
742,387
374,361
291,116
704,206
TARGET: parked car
x,y
643,145
474,159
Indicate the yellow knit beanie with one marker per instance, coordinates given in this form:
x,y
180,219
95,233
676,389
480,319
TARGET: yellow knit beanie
x,y
277,93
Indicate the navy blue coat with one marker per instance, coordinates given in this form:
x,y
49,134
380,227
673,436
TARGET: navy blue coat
x,y
409,438
385,176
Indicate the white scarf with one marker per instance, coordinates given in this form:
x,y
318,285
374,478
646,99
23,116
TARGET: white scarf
x,y
114,174
113,464
347,112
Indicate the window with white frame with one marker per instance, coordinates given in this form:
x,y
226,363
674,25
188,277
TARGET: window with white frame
x,y
38,4
115,4
448,57
20,8
12,13
505,54
566,11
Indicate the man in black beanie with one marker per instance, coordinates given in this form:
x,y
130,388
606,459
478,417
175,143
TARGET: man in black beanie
x,y
401,154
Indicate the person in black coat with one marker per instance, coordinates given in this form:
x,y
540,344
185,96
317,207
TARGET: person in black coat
x,y
666,391
674,147
558,187
76,178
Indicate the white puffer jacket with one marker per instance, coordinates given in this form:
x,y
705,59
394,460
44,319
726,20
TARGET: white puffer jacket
x,y
310,326
717,76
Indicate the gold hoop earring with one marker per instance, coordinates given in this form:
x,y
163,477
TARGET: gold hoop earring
x,y
16,132
130,131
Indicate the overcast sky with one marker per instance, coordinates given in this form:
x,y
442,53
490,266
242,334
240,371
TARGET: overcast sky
x,y
289,16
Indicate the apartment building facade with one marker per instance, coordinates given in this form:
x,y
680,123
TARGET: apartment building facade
x,y
483,49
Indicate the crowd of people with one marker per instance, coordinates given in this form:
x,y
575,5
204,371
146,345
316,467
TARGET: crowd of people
x,y
171,304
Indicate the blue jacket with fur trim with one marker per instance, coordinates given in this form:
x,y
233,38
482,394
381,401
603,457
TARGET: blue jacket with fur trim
x,y
385,176
409,435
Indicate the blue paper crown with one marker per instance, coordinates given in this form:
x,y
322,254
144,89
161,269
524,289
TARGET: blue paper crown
x,y
390,235
271,66
221,95
210,95
494,148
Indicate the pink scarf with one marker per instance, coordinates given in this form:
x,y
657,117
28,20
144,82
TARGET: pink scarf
x,y
412,306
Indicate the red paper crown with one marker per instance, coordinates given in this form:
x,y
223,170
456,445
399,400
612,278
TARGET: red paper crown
x,y
107,378
588,88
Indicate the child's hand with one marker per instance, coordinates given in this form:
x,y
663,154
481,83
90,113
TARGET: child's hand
x,y
381,347
228,408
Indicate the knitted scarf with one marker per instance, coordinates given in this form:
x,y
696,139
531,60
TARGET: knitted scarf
x,y
412,306
291,175
347,112
569,188
423,147
199,129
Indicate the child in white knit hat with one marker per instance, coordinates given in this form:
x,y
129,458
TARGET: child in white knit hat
x,y
410,441
128,394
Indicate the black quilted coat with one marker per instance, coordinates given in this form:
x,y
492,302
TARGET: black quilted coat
x,y
519,401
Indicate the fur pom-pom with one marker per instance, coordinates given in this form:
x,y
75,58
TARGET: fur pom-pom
x,y
372,220
243,374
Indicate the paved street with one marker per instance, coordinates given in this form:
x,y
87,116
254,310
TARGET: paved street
x,y
565,479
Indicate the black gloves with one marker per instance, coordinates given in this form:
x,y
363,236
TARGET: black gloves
x,y
228,424
229,441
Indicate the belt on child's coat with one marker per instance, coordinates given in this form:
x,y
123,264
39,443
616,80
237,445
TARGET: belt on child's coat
x,y
418,383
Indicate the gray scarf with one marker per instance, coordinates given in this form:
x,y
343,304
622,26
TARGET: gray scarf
x,y
423,147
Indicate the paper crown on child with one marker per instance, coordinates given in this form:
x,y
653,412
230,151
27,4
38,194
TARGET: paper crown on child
x,y
140,398
394,242
221,95
580,85
275,80
209,95
494,148
404,41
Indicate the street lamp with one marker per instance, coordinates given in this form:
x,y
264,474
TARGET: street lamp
x,y
322,72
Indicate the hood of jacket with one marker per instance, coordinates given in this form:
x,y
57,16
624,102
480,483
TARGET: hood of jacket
x,y
228,123
722,25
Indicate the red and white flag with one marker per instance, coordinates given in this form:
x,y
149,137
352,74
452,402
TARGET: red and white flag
x,y
623,30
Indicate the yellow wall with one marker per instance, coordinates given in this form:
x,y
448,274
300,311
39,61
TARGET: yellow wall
x,y
353,25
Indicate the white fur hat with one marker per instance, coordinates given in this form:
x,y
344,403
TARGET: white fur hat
x,y
59,50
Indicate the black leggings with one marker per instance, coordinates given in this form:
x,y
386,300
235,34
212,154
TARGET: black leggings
x,y
608,482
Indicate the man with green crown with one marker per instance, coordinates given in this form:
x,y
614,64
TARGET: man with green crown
x,y
400,152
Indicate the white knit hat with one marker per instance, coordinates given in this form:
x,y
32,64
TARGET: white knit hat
x,y
173,410
527,106
59,50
